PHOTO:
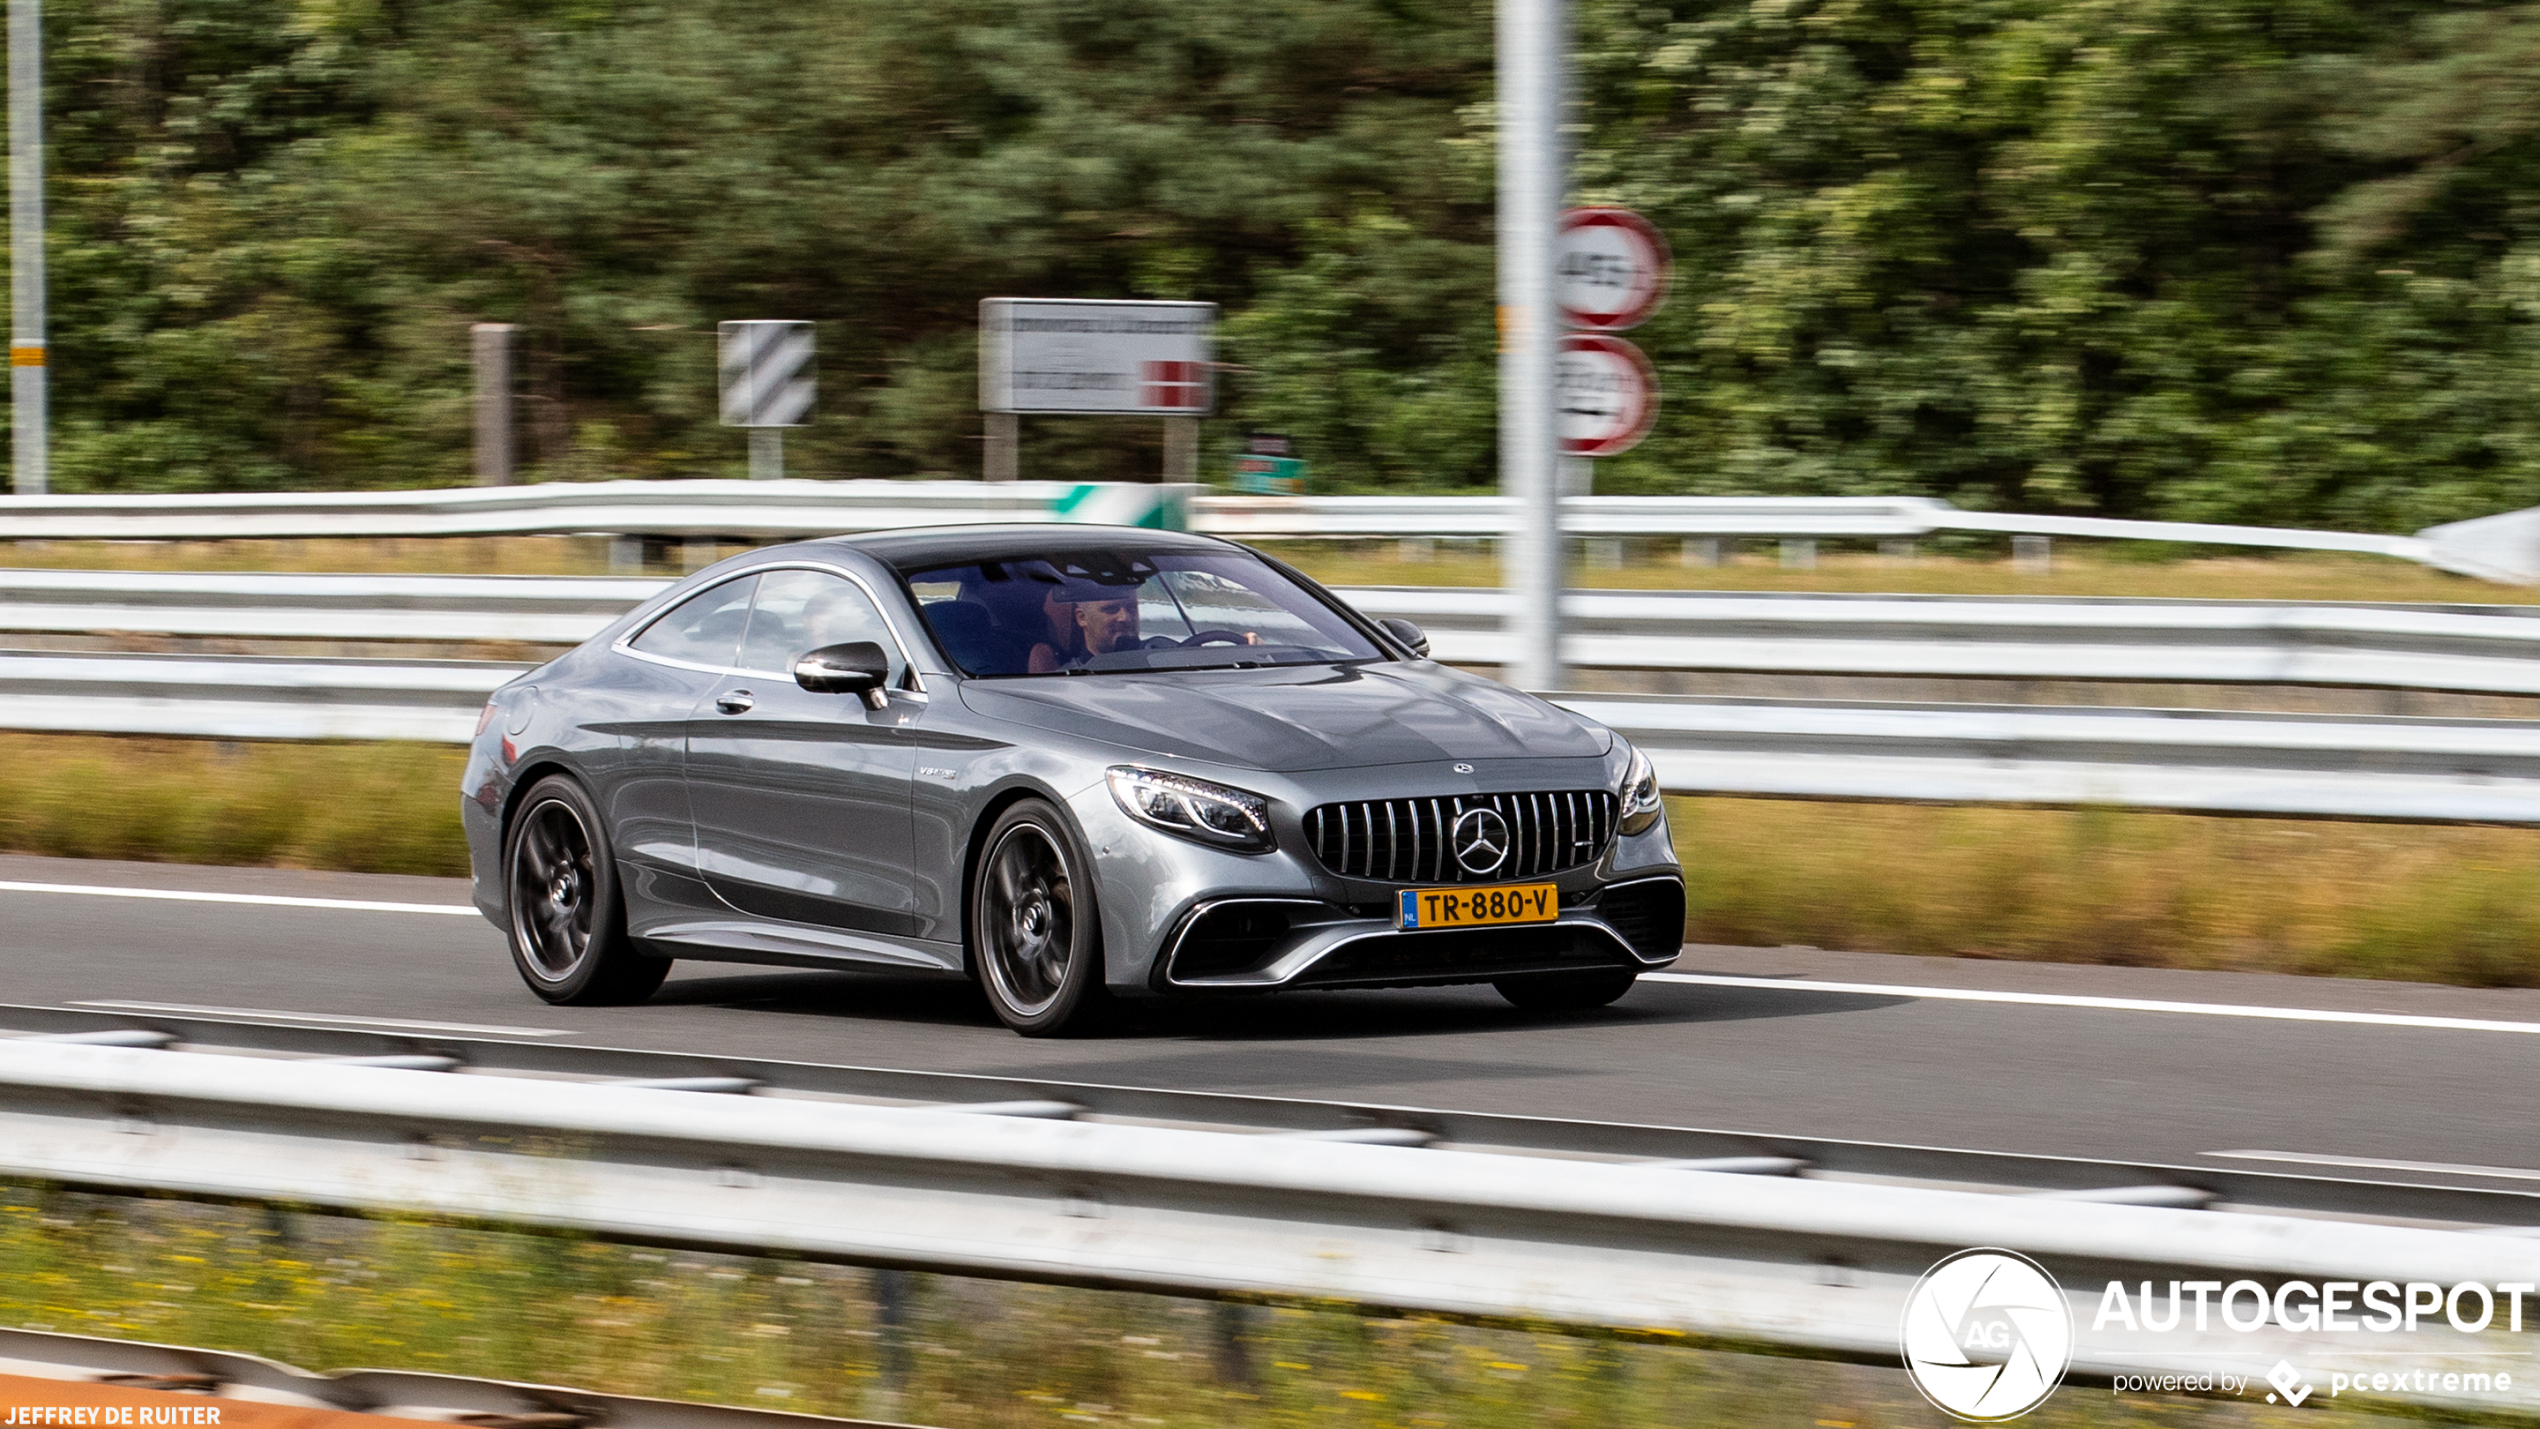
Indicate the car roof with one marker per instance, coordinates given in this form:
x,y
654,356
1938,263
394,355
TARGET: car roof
x,y
949,545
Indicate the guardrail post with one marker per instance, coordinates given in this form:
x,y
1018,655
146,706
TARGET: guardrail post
x,y
626,555
1699,551
490,346
1606,553
891,1307
1416,549
2033,555
1227,1323
1799,555
1897,552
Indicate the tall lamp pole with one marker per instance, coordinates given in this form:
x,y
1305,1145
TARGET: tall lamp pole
x,y
1532,47
30,467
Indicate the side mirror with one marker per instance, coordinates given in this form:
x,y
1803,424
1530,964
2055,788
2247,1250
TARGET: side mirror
x,y
1408,633
856,668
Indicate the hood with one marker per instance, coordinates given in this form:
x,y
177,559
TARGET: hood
x,y
1297,718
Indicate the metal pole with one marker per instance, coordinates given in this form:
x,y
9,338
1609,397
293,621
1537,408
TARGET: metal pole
x,y
30,464
1181,449
491,345
767,453
1003,458
1531,53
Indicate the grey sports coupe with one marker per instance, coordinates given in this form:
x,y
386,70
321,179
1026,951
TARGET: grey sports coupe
x,y
1077,764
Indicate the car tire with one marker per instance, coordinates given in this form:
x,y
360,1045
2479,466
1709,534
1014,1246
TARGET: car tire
x,y
1035,928
1567,992
562,906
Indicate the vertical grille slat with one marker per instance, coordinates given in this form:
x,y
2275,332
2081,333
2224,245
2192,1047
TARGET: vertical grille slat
x,y
1413,840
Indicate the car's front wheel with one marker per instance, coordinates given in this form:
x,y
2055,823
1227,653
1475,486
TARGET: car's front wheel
x,y
1567,992
1035,934
568,925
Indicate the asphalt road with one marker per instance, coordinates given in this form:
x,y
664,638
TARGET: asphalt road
x,y
2043,1059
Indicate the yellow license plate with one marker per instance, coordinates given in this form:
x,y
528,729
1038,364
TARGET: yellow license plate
x,y
1478,907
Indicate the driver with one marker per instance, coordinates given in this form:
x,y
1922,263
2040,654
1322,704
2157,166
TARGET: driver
x,y
1105,625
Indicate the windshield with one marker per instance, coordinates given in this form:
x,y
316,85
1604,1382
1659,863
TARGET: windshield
x,y
1089,612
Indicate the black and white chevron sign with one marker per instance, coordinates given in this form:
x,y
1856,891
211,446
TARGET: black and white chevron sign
x,y
767,374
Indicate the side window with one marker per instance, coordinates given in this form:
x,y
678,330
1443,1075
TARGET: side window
x,y
800,611
705,628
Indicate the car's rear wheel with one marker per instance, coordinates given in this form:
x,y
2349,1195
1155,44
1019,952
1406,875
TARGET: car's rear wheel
x,y
1035,933
568,924
1567,992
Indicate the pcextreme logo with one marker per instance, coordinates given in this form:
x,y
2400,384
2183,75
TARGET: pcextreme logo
x,y
1987,1335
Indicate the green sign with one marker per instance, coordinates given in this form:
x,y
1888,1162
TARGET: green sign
x,y
1270,475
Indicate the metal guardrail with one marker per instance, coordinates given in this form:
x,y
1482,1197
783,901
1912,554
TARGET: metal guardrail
x,y
2198,761
2345,766
1030,1193
740,509
2487,649
2323,766
760,509
248,697
401,1395
2482,649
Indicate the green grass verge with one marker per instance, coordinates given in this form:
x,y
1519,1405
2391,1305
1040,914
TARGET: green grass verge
x,y
366,808
2429,904
328,1293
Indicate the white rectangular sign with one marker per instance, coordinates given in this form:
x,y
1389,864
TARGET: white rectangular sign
x,y
1072,355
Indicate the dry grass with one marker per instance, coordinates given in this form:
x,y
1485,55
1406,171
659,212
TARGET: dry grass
x,y
2428,904
368,808
2111,571
333,1294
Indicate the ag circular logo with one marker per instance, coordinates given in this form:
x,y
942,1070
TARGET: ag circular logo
x,y
1987,1335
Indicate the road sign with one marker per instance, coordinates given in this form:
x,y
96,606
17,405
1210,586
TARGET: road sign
x,y
767,374
1269,475
1606,393
1611,268
1071,356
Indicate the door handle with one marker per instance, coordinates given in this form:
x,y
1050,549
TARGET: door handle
x,y
735,701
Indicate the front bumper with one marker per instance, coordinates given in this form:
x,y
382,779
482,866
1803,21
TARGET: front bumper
x,y
1240,944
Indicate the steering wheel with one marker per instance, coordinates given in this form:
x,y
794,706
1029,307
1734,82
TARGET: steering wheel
x,y
1216,637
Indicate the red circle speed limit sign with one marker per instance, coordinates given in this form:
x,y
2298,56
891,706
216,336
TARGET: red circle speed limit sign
x,y
1607,394
1610,268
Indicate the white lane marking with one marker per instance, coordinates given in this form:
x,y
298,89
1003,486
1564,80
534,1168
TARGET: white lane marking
x,y
269,1015
2104,1004
358,905
2366,1163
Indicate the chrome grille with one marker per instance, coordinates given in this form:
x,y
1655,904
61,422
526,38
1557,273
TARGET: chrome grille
x,y
1406,840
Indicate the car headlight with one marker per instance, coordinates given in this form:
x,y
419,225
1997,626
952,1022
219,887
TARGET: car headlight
x,y
1193,808
1641,806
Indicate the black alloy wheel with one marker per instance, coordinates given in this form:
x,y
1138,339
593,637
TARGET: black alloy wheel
x,y
568,925
1036,940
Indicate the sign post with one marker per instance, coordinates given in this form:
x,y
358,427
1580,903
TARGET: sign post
x,y
30,441
1533,52
768,386
1090,357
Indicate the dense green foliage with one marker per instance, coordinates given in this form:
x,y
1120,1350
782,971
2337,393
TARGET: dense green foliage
x,y
2231,259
